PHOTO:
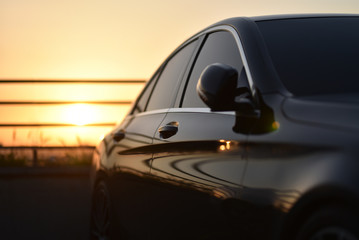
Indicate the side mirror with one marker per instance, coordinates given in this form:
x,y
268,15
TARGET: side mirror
x,y
217,87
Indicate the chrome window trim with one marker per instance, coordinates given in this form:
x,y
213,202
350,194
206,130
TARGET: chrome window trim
x,y
241,51
157,111
235,34
198,110
182,110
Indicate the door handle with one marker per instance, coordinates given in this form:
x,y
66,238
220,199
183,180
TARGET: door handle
x,y
119,135
168,130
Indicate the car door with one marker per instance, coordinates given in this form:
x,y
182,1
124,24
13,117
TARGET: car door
x,y
198,163
129,150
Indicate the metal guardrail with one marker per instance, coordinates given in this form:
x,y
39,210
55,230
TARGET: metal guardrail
x,y
62,102
134,81
55,125
35,149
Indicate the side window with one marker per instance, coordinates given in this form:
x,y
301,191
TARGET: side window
x,y
143,99
166,86
219,47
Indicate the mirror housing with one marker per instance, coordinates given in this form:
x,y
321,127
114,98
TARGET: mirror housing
x,y
217,87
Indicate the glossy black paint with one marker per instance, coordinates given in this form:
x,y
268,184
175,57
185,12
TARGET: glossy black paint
x,y
191,173
217,86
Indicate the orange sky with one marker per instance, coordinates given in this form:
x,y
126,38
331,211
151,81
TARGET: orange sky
x,y
115,39
102,39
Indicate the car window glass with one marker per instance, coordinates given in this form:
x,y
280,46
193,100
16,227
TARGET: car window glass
x,y
166,85
220,47
142,102
314,55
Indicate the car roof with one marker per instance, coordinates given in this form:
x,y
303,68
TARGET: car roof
x,y
244,26
282,17
296,16
237,22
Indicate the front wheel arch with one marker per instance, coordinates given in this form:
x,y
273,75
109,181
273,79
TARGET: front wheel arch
x,y
330,222
100,212
315,200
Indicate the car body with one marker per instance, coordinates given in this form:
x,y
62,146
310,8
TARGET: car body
x,y
248,130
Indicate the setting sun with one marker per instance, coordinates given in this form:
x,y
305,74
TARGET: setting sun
x,y
80,114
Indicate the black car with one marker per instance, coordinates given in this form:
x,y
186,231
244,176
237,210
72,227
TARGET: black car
x,y
249,130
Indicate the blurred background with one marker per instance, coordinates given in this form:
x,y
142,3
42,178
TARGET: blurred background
x,y
108,40
69,71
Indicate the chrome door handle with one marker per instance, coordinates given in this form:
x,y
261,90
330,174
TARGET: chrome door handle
x,y
168,130
119,135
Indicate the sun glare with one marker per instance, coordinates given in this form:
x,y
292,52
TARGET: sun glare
x,y
79,114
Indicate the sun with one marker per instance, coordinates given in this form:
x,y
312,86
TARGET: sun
x,y
79,114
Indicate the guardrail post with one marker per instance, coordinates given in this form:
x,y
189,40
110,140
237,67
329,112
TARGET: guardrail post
x,y
34,157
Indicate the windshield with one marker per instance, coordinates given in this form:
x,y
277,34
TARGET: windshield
x,y
315,55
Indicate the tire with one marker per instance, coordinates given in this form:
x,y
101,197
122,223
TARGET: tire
x,y
100,213
330,223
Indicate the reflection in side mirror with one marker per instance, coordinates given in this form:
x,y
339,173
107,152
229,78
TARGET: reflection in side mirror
x,y
217,86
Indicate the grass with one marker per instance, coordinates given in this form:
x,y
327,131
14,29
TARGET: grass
x,y
45,157
11,160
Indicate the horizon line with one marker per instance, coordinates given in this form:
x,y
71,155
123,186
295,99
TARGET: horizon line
x,y
56,125
122,81
128,102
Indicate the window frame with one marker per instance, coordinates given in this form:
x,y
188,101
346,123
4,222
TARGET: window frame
x,y
183,74
203,36
154,78
183,82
